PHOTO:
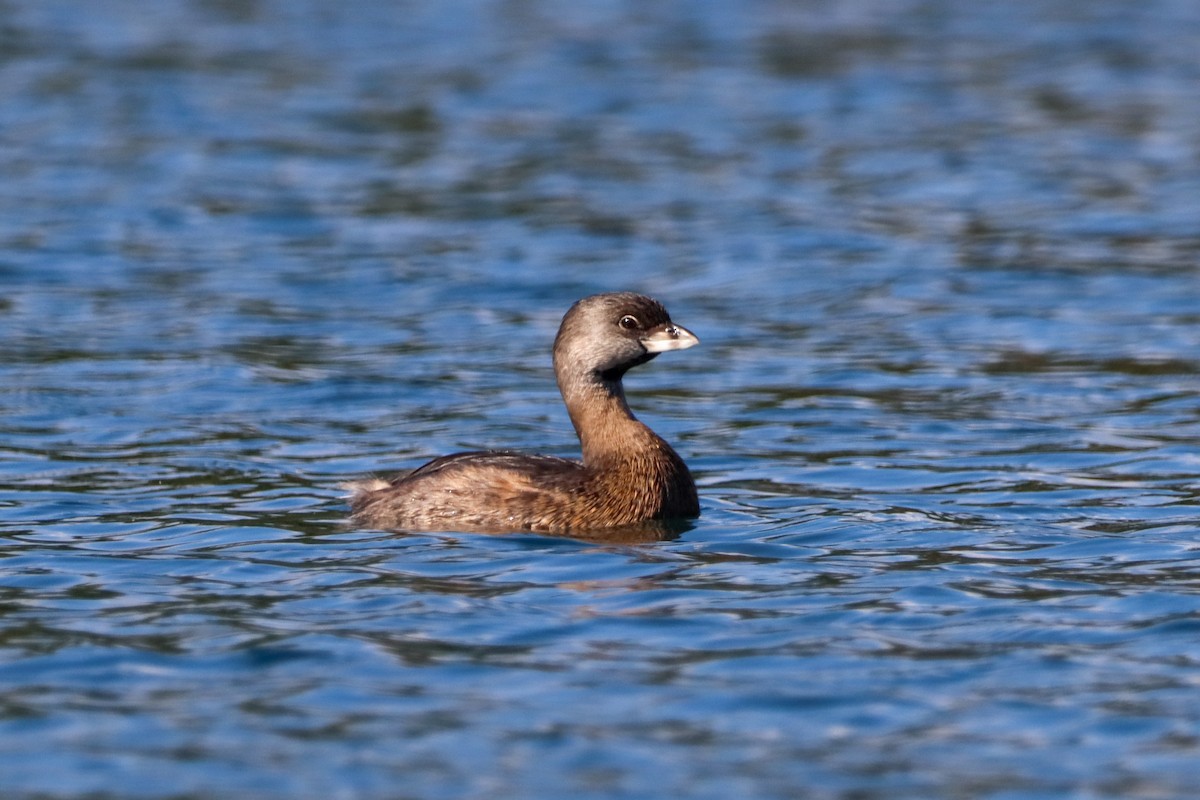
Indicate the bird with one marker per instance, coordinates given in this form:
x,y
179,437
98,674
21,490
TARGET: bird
x,y
628,475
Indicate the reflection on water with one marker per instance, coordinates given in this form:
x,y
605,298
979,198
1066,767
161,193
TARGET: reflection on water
x,y
943,259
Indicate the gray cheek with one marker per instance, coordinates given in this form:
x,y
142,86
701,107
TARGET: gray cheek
x,y
608,354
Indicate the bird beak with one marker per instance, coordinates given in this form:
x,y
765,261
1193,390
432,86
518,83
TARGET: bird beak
x,y
669,337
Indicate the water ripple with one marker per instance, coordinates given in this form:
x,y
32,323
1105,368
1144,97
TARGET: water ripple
x,y
944,421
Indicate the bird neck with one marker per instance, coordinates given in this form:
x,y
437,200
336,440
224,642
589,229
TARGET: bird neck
x,y
607,429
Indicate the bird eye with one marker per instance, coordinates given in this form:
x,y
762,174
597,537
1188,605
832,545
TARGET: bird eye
x,y
628,323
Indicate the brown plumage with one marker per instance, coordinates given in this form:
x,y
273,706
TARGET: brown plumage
x,y
628,475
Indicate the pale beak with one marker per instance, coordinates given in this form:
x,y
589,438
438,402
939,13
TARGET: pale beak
x,y
669,337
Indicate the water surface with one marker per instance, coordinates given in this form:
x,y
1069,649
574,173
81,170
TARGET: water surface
x,y
943,261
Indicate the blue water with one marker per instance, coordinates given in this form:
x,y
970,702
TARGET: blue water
x,y
944,261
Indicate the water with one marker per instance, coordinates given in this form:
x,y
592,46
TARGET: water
x,y
942,258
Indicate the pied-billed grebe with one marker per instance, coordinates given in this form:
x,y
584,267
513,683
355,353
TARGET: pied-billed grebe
x,y
628,475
